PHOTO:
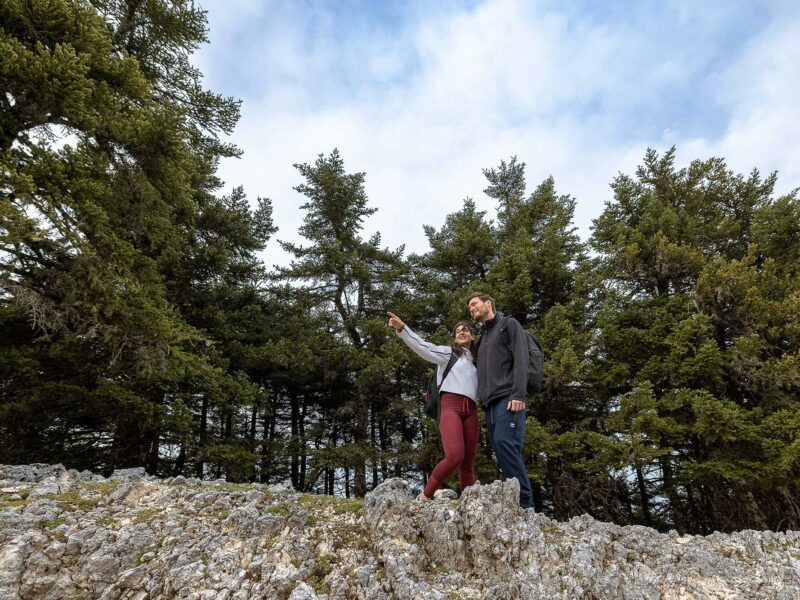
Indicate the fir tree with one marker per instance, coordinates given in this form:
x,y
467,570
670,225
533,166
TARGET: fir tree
x,y
695,310
353,279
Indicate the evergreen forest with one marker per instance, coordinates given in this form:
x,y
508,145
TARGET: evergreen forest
x,y
139,326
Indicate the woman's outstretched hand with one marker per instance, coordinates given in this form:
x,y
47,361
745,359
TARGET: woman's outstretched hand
x,y
395,321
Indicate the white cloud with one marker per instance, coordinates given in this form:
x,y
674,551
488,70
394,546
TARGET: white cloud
x,y
425,109
761,89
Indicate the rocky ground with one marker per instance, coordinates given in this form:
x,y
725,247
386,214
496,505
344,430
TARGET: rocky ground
x,y
65,534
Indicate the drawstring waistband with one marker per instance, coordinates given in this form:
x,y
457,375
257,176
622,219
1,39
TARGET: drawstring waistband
x,y
466,401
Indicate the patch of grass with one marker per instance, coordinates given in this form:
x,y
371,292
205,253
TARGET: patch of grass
x,y
71,500
348,506
279,509
13,503
53,523
237,487
363,542
101,487
272,542
86,504
105,521
219,515
146,515
71,495
267,499
312,501
316,578
204,504
339,506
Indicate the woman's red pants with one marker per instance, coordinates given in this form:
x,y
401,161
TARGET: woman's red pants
x,y
458,425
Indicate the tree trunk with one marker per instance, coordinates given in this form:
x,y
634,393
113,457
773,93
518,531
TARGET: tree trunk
x,y
266,445
627,502
295,426
251,442
361,439
373,434
303,451
536,488
677,508
218,464
180,462
201,449
384,445
643,497
151,461
328,481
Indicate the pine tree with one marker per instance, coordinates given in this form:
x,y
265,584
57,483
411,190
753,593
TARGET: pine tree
x,y
461,253
695,309
353,279
103,367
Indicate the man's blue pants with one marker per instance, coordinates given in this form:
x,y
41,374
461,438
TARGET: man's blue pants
x,y
506,434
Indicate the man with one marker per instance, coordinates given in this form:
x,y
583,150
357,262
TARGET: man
x,y
502,387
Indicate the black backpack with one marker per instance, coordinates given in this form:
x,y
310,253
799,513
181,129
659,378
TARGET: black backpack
x,y
431,398
535,360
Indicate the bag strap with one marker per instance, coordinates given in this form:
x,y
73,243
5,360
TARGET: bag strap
x,y
450,363
503,325
528,333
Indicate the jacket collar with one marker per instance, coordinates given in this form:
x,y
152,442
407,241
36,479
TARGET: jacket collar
x,y
492,322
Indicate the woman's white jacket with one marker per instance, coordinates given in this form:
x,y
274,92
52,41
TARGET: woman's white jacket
x,y
463,376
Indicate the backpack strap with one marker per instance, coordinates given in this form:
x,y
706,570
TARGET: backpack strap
x,y
504,329
453,359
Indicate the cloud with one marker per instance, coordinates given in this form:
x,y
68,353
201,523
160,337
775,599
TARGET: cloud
x,y
761,90
423,101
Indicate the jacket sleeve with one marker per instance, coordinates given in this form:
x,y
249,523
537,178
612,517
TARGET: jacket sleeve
x,y
519,351
430,352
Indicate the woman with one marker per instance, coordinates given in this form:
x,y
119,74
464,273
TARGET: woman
x,y
458,416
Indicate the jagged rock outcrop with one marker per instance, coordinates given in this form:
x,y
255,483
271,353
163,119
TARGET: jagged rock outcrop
x,y
65,534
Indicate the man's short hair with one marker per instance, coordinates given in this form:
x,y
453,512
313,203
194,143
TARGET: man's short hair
x,y
483,297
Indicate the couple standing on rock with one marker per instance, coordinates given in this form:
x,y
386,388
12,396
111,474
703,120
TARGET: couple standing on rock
x,y
495,378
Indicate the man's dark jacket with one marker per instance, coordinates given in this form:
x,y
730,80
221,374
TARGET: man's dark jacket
x,y
500,376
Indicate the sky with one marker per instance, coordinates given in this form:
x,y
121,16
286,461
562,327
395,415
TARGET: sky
x,y
422,96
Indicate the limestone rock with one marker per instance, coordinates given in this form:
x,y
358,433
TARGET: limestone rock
x,y
133,474
66,534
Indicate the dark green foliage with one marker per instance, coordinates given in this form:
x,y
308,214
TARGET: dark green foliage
x,y
696,346
347,281
108,240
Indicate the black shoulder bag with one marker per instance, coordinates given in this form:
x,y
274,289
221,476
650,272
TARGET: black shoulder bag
x,y
431,397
